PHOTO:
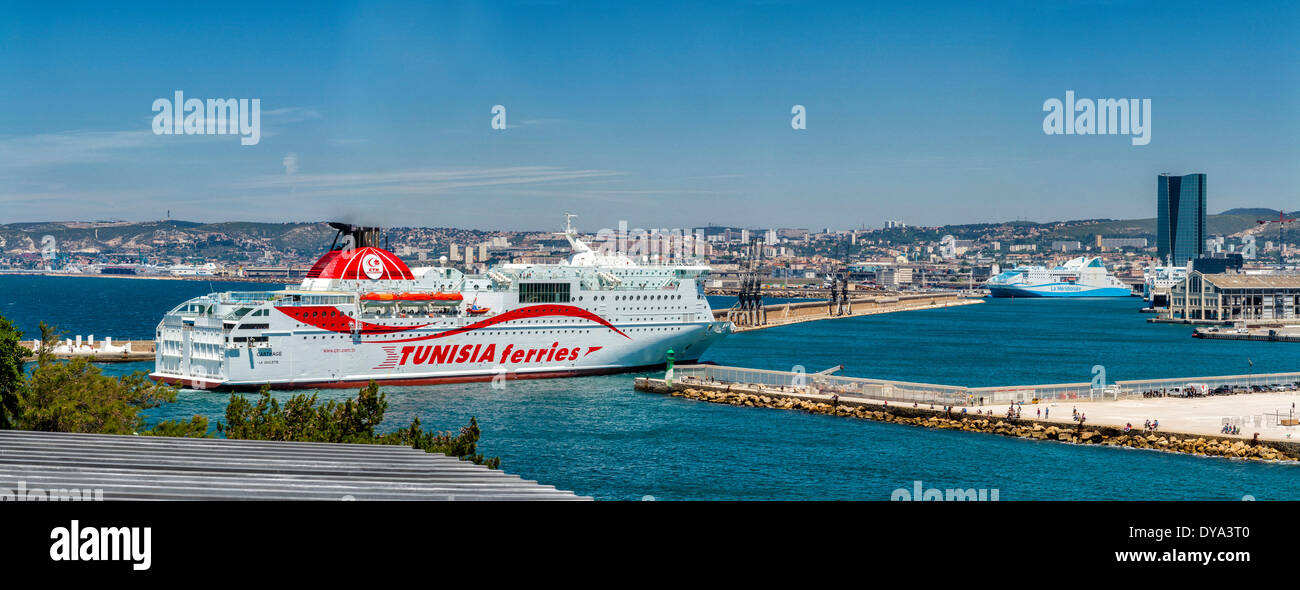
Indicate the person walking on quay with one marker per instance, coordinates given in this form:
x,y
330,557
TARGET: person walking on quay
x,y
1040,413
1047,413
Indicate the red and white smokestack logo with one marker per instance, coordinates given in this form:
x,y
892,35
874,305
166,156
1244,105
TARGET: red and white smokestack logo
x,y
372,266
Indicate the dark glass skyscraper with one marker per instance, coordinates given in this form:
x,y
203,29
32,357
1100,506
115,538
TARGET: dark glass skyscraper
x,y
1180,217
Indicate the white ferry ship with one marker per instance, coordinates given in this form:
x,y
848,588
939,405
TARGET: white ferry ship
x,y
361,314
1077,277
1158,281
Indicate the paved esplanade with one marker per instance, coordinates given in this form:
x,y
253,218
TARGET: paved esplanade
x,y
162,468
1251,412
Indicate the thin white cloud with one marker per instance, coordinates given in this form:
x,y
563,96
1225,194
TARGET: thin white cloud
x,y
291,114
70,147
290,164
420,181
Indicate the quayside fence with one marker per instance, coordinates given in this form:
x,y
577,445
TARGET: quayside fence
x,y
927,393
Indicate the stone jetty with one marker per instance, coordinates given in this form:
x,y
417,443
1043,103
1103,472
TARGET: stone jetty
x,y
1210,446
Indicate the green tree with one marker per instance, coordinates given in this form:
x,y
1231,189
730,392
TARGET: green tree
x,y
13,355
74,396
196,427
463,445
301,418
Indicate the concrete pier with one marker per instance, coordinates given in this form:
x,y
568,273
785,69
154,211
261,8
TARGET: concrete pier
x,y
103,351
1267,334
990,422
781,314
1264,404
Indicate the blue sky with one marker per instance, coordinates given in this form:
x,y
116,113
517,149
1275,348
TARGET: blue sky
x,y
662,114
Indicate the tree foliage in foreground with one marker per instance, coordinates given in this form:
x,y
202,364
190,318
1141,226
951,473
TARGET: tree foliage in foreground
x,y
302,418
12,357
75,396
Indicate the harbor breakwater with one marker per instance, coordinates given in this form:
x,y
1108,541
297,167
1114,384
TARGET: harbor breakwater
x,y
783,314
1083,434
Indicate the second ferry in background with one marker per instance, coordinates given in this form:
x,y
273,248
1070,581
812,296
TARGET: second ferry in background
x,y
1078,277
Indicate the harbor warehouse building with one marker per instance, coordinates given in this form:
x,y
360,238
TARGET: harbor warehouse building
x,y
1228,297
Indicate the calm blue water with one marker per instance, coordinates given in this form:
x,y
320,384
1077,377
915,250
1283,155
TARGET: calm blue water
x,y
598,437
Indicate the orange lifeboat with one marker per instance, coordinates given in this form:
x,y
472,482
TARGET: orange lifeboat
x,y
447,298
379,297
476,310
416,297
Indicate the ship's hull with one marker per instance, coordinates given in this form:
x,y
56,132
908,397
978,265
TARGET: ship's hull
x,y
202,384
1056,290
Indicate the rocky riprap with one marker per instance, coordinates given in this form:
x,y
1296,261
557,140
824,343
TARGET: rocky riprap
x,y
1085,435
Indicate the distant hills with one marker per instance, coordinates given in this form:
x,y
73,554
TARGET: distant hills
x,y
176,237
1255,211
1226,223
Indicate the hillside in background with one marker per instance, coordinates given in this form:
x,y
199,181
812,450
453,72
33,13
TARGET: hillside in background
x,y
1255,211
183,238
1227,223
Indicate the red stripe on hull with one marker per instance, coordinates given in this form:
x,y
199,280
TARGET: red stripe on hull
x,y
418,380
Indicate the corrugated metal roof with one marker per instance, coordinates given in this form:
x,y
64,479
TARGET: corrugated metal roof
x,y
159,468
1243,281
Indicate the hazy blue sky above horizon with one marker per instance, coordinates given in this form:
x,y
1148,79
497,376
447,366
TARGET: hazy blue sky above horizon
x,y
663,114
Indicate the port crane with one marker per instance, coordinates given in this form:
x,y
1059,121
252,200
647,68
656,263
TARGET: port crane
x,y
748,309
1281,221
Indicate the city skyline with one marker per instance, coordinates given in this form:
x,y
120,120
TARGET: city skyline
x,y
668,118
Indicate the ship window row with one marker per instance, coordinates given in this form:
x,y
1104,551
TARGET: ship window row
x,y
647,297
331,314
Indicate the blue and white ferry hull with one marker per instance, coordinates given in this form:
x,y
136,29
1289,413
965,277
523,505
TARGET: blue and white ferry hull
x,y
1056,290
